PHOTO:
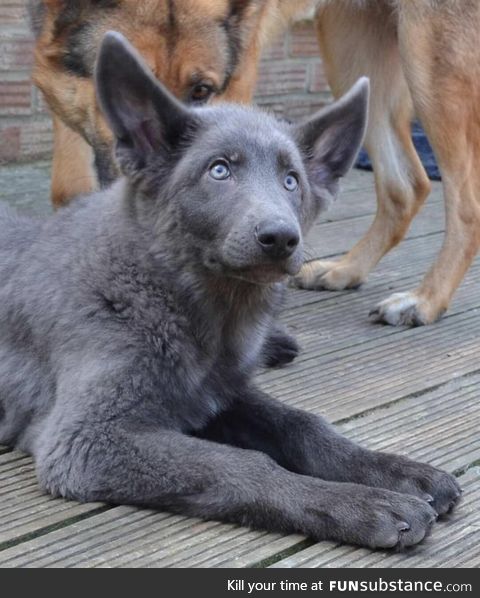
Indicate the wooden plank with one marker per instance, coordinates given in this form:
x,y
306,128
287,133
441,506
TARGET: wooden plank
x,y
24,509
27,187
395,272
350,381
455,542
356,181
338,321
334,238
128,537
440,427
357,198
325,321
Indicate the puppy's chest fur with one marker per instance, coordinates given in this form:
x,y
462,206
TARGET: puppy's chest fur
x,y
199,336
199,330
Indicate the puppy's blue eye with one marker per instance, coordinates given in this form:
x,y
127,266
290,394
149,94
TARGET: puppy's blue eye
x,y
291,182
220,170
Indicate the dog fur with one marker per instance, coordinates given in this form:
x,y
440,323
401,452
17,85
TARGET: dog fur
x,y
126,357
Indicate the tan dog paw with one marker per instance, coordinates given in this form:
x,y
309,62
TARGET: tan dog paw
x,y
327,275
405,309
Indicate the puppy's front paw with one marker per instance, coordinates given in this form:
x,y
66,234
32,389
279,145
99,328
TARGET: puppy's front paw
x,y
437,487
382,519
280,349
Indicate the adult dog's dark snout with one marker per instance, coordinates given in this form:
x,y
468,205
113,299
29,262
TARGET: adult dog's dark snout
x,y
278,240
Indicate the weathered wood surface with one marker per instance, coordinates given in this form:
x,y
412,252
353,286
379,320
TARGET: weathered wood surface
x,y
414,391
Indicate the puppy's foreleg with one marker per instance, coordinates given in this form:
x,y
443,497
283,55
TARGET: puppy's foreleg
x,y
188,475
307,444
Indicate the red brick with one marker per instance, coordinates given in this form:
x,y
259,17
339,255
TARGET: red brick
x,y
276,50
15,98
317,80
297,108
279,77
12,11
277,106
9,144
16,52
294,107
39,102
303,41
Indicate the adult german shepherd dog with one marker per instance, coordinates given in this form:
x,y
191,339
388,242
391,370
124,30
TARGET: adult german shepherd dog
x,y
126,365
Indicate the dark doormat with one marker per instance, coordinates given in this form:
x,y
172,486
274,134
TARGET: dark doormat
x,y
424,151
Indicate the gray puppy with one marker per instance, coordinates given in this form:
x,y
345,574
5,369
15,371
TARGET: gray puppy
x,y
131,324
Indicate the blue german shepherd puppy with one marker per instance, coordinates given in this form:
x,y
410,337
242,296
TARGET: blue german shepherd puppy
x,y
131,324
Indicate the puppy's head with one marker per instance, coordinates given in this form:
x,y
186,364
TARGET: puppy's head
x,y
239,187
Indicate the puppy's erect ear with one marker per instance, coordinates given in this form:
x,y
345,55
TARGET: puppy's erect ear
x,y
331,139
144,116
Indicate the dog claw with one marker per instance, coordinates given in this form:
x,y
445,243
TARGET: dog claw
x,y
451,505
403,526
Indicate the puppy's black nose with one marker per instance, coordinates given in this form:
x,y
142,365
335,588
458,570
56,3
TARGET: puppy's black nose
x,y
277,240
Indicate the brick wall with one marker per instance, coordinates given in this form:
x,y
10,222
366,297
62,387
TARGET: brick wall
x,y
291,83
25,127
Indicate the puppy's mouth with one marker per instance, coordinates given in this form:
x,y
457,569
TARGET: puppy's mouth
x,y
256,273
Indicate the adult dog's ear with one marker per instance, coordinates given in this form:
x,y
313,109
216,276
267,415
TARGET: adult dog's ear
x,y
144,116
242,19
331,138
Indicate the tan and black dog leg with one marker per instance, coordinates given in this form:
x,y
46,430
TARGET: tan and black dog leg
x,y
356,42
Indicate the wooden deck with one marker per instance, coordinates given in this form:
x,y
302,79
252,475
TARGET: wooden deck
x,y
413,391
